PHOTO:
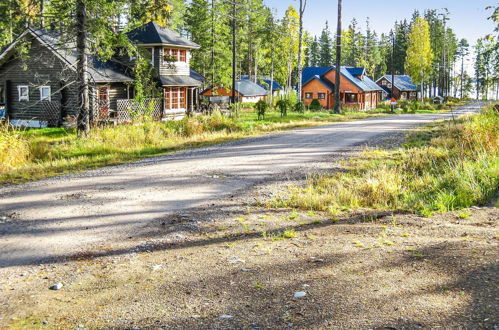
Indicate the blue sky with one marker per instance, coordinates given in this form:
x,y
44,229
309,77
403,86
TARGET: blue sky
x,y
467,17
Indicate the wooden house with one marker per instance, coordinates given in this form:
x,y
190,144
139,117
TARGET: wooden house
x,y
357,90
246,91
266,83
40,89
403,87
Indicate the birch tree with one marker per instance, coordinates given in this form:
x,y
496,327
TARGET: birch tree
x,y
419,53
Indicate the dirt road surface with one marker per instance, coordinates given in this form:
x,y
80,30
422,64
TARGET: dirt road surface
x,y
59,217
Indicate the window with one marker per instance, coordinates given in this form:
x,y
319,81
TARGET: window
x,y
404,95
23,91
384,82
175,55
183,55
389,86
309,95
45,93
413,94
351,98
322,96
175,98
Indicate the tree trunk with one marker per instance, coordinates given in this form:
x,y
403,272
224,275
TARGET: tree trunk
x,y
337,101
83,124
303,4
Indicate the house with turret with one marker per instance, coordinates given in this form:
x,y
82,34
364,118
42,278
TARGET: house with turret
x,y
40,89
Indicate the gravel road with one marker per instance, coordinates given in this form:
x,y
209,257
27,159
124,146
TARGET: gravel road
x,y
61,216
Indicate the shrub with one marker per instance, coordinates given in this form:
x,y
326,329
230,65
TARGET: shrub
x,y
283,105
299,107
315,105
261,107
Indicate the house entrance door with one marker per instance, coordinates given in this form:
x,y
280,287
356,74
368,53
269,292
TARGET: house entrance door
x,y
103,99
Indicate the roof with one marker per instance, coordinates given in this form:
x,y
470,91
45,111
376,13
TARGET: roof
x,y
194,79
402,82
264,81
355,75
249,88
99,71
153,33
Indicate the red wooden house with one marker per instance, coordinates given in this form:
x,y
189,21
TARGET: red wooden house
x,y
357,90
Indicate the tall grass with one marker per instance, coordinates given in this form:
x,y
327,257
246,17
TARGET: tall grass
x,y
444,167
14,151
37,153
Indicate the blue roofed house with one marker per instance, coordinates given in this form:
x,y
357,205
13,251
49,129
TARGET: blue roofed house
x,y
357,90
246,91
266,83
403,87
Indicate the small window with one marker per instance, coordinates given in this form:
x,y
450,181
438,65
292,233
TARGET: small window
x,y
23,93
384,82
183,55
309,95
389,86
45,93
322,96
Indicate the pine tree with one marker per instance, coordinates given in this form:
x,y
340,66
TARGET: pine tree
x,y
325,47
314,53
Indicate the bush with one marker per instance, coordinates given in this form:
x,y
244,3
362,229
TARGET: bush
x,y
261,107
299,107
315,105
283,105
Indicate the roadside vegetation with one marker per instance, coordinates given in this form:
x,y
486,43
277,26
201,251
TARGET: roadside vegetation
x,y
446,166
30,154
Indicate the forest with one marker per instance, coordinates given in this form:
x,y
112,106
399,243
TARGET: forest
x,y
269,45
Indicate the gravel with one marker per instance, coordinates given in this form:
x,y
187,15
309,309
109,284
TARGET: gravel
x,y
63,217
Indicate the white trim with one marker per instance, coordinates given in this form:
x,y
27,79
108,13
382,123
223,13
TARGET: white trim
x,y
22,98
49,98
172,45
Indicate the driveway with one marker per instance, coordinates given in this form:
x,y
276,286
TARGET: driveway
x,y
58,217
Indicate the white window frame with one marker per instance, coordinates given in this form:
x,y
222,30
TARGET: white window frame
x,y
48,98
389,85
384,82
23,98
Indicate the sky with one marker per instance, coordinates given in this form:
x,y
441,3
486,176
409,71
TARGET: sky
x,y
468,18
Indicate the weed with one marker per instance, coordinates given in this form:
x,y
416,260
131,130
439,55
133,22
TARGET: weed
x,y
289,233
405,235
241,220
293,216
465,214
358,244
259,285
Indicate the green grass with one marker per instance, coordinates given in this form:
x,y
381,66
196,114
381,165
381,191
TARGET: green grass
x,y
30,154
442,167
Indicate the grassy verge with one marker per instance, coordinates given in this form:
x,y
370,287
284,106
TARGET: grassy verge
x,y
38,153
442,167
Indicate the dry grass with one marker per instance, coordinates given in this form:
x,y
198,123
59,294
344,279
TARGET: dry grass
x,y
443,167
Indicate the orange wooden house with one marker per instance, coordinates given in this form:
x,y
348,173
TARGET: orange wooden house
x,y
357,90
